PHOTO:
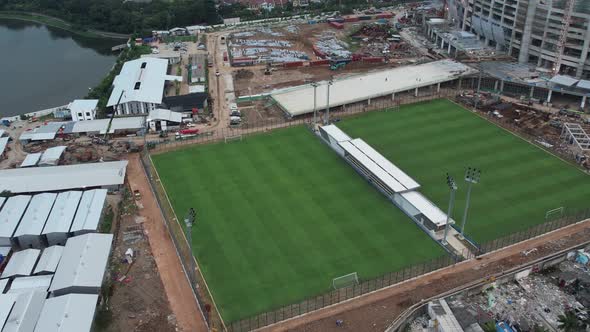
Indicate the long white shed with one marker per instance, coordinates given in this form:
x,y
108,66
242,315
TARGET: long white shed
x,y
10,217
28,233
62,215
89,212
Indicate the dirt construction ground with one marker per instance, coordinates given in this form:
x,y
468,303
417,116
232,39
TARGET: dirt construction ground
x,y
176,286
376,311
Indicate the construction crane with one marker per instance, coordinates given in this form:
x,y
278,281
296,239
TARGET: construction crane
x,y
565,26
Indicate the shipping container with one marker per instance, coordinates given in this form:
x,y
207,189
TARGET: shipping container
x,y
318,52
337,25
224,56
365,18
189,131
357,57
384,15
293,64
319,62
351,19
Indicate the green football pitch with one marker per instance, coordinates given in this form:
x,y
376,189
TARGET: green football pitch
x,y
279,215
519,181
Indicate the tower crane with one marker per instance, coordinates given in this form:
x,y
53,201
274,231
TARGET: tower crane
x,y
565,26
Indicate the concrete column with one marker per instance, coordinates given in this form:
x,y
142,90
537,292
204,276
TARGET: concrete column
x,y
585,50
523,56
549,96
583,104
449,50
465,11
532,92
496,86
502,86
459,83
369,101
442,43
393,96
438,88
416,92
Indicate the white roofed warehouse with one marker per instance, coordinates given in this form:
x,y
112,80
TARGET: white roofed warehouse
x,y
139,87
89,213
363,88
28,233
62,215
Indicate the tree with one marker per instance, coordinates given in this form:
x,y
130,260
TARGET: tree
x,y
569,322
489,326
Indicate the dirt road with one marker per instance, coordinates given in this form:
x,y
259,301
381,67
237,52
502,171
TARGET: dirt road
x,y
375,311
178,290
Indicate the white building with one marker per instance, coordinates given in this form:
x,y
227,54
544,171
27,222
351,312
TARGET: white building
x,y
33,221
83,109
139,87
62,215
68,313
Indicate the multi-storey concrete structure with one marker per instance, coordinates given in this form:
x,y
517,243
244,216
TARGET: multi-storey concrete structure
x,y
530,30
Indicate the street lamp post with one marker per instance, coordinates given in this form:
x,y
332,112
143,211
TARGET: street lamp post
x,y
189,221
315,109
471,176
327,119
453,188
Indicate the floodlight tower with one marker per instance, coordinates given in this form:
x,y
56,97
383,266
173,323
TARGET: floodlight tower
x,y
189,221
327,119
471,176
315,109
453,188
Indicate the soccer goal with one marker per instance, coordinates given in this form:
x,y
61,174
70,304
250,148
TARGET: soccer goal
x,y
555,213
233,138
345,280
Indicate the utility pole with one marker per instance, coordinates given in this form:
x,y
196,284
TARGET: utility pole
x,y
189,221
315,109
471,176
453,188
327,119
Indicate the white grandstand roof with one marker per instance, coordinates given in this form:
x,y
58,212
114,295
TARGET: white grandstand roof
x,y
31,160
163,114
384,163
89,211
297,101
3,143
141,84
26,311
35,179
52,155
21,263
336,133
27,284
63,212
36,215
387,179
49,260
67,313
11,214
83,262
426,207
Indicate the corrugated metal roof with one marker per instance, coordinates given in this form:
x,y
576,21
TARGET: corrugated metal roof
x,y
426,207
35,179
299,100
83,262
26,311
3,143
563,80
151,78
67,313
51,156
7,302
89,211
163,114
127,123
63,212
336,133
31,160
27,284
21,263
49,260
11,214
36,215
584,84
45,132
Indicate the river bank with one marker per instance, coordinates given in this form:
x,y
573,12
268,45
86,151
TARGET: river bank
x,y
60,24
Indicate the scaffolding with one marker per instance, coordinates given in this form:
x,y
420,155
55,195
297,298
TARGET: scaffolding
x,y
573,133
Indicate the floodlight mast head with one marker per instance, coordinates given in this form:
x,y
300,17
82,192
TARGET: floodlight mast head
x,y
453,186
472,175
451,182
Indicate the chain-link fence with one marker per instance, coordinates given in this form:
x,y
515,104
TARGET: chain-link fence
x,y
203,295
568,218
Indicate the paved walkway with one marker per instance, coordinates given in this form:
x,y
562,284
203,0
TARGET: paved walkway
x,y
176,285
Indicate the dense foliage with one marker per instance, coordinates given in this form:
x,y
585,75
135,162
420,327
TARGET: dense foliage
x,y
121,16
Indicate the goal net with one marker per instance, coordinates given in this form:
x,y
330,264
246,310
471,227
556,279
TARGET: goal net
x,y
345,280
555,213
233,138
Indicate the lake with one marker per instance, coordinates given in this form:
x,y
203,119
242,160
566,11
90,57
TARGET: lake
x,y
44,67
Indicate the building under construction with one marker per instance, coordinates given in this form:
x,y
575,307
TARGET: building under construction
x,y
551,34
